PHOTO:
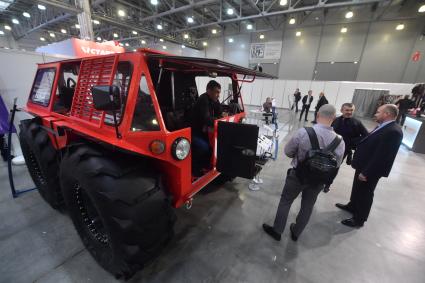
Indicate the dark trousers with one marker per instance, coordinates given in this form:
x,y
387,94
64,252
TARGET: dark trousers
x,y
305,108
402,116
201,153
361,198
295,105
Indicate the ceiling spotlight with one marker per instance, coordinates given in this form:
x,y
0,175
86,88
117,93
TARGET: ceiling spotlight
x,y
42,39
164,47
26,15
99,38
41,7
292,21
154,2
349,15
332,62
400,27
355,62
261,36
183,46
186,36
134,32
190,20
283,2
213,31
230,11
159,27
15,21
52,34
121,13
120,44
126,44
1,32
344,30
115,35
63,30
422,9
317,18
143,41
161,40
298,33
96,22
249,26
7,27
205,43
77,26
230,40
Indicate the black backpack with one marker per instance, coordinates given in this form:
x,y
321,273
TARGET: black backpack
x,y
320,165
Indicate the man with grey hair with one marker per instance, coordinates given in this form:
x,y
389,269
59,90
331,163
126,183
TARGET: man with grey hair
x,y
297,148
372,160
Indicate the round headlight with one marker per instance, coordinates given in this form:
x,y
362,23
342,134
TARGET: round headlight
x,y
180,148
243,120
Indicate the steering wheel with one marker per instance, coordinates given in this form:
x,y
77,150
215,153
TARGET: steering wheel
x,y
68,83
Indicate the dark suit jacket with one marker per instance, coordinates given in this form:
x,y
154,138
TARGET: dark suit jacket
x,y
322,101
375,154
305,99
351,130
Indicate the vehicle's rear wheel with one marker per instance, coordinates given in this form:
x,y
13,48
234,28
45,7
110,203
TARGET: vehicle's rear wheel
x,y
42,161
118,207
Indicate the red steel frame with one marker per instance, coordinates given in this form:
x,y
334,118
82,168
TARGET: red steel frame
x,y
83,120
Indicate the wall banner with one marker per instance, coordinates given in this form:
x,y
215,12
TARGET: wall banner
x,y
266,50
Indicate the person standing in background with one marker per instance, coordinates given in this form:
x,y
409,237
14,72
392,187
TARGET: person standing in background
x,y
322,101
297,98
307,99
274,114
404,105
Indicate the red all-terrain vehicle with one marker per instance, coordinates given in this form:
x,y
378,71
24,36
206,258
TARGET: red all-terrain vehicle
x,y
111,142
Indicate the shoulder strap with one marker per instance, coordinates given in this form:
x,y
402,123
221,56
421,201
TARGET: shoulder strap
x,y
334,144
313,138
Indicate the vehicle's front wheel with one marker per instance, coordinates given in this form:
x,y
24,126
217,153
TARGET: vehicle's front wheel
x,y
118,207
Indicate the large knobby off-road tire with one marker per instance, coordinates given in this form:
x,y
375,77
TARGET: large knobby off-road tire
x,y
42,161
119,208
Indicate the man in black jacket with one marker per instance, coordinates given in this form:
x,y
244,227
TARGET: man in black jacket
x,y
297,98
350,128
322,101
307,99
372,160
403,107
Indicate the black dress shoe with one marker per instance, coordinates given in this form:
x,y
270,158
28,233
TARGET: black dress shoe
x,y
291,228
351,222
269,230
345,207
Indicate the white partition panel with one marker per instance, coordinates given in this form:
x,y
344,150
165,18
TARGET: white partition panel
x,y
278,92
317,87
267,90
331,92
304,87
290,87
345,93
246,92
257,88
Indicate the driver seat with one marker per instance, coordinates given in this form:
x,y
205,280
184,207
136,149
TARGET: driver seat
x,y
66,94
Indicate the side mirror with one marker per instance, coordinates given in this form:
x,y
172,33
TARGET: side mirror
x,y
106,97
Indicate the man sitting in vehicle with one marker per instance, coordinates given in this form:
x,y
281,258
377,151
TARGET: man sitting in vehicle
x,y
207,108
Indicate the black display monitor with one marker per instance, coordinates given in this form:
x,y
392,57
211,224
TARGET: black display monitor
x,y
236,149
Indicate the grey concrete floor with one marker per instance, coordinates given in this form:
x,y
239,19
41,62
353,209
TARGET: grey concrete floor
x,y
221,240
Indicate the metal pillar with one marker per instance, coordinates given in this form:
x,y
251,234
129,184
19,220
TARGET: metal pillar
x,y
84,20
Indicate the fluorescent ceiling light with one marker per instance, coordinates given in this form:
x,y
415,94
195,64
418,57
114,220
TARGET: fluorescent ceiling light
x,y
190,20
230,11
143,42
283,2
115,35
26,15
400,27
96,22
121,13
261,36
159,27
1,32
15,21
298,33
41,7
63,30
164,47
230,40
344,30
134,50
355,62
7,27
249,26
332,62
99,38
154,2
183,46
292,21
52,34
120,44
161,40
349,15
134,32
126,44
421,9
77,26
213,31
42,39
186,36
204,43
4,5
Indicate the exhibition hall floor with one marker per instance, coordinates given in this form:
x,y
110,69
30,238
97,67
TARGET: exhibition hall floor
x,y
221,240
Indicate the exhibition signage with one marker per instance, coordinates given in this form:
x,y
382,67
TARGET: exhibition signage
x,y
266,50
